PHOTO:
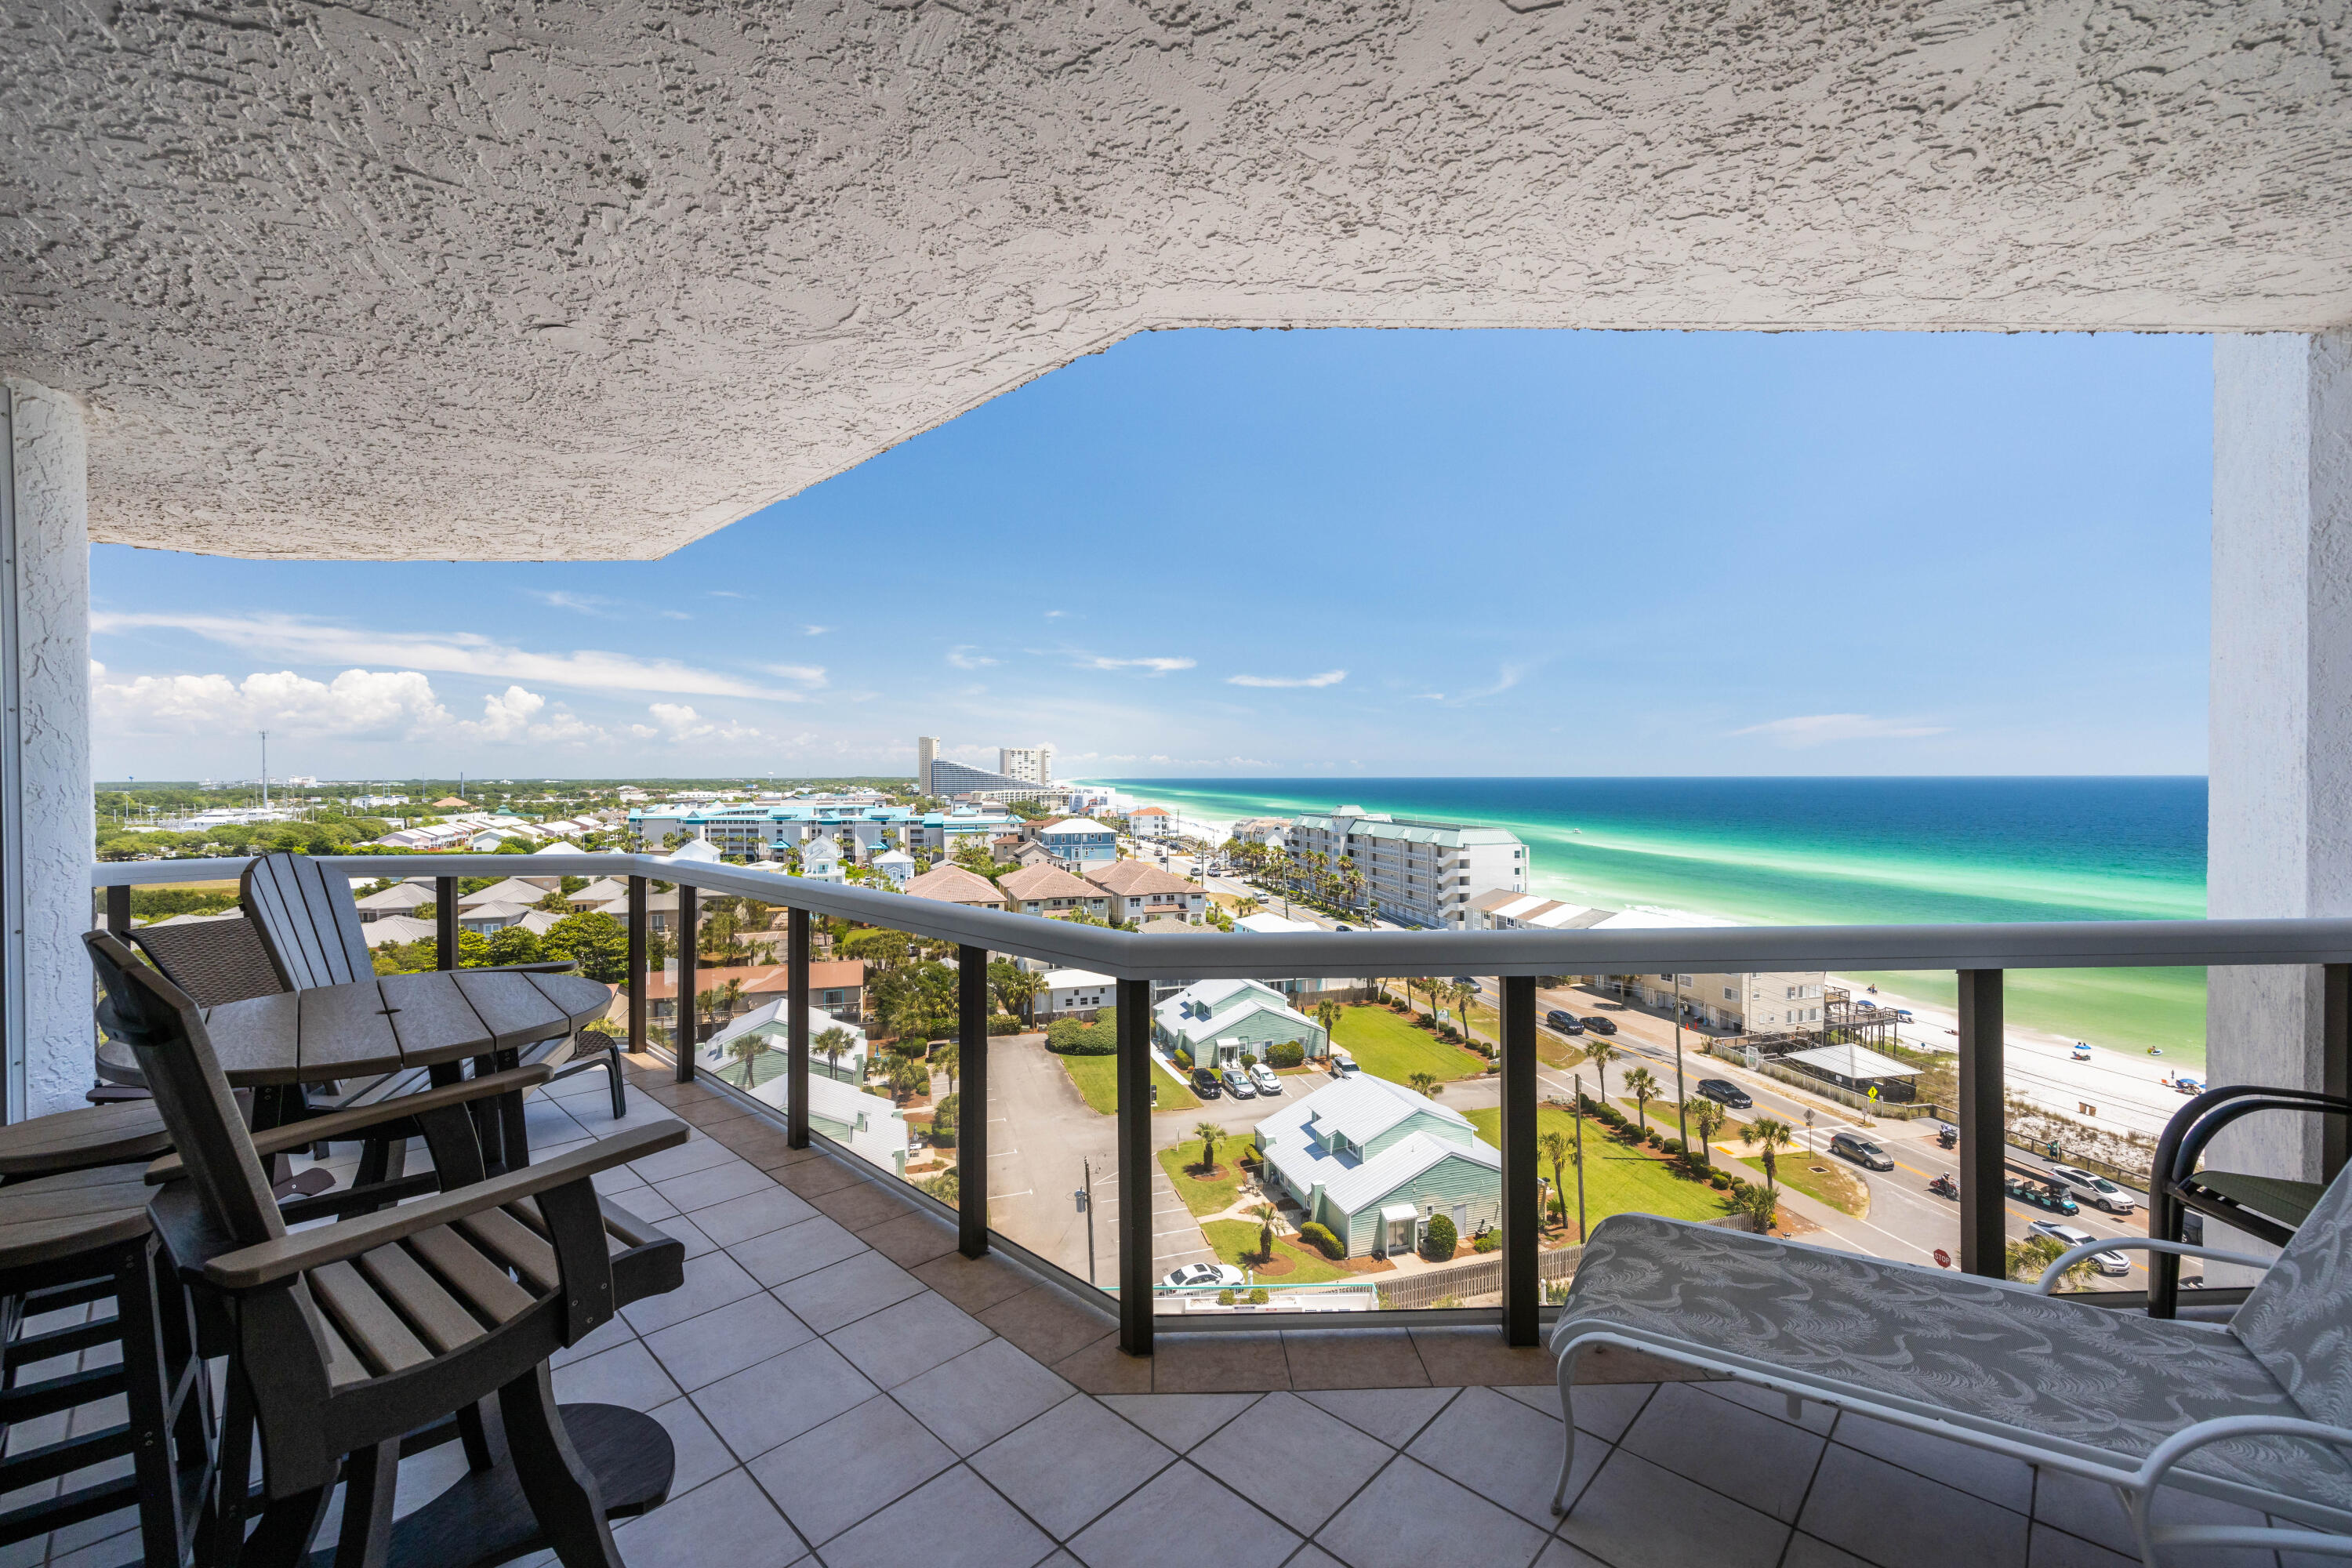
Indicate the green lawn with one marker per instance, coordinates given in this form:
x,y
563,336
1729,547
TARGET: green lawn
x,y
1386,1046
1182,1165
1235,1242
1098,1079
1831,1185
1616,1178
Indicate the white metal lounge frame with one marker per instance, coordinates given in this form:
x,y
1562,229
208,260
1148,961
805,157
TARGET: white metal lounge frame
x,y
2136,1485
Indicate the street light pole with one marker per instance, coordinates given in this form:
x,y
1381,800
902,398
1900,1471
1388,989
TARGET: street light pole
x,y
1579,1158
1682,1129
1086,1203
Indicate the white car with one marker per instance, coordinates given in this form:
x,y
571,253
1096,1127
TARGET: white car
x,y
2095,1189
2108,1263
1263,1076
1194,1276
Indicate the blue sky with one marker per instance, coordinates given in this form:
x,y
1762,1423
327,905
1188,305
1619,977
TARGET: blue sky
x,y
1292,554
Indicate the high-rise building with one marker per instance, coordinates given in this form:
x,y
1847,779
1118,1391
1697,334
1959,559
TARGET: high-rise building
x,y
926,751
1420,871
1032,764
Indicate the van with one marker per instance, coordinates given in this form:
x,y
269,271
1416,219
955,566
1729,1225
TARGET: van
x,y
1342,1063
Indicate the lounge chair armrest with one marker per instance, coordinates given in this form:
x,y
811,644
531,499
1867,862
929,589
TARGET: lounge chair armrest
x,y
544,967
272,1262
2074,1255
346,1123
2166,1455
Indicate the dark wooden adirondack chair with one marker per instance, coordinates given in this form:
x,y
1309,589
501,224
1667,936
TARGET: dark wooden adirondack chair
x,y
310,924
346,1338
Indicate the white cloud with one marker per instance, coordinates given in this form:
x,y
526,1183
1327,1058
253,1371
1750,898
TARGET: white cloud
x,y
815,631
453,653
1505,677
1328,678
1055,614
582,604
678,724
1818,729
962,657
806,674
358,704
1154,666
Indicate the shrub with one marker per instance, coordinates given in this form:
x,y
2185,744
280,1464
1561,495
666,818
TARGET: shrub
x,y
1719,1182
1004,1024
1488,1242
1184,1059
1249,1060
1258,1298
1649,1136
1225,1298
1438,1240
1071,1039
1318,1236
943,1120
1287,1054
1672,1146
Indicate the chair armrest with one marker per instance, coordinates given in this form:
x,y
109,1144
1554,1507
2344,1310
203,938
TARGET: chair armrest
x,y
344,1123
271,1262
544,967
2074,1255
2168,1454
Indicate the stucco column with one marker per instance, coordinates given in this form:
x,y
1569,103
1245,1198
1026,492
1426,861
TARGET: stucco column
x,y
2278,833
46,814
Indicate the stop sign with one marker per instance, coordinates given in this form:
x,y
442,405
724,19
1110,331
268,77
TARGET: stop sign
x,y
1943,1258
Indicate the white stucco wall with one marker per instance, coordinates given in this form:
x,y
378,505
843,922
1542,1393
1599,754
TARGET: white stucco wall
x,y
54,811
2279,839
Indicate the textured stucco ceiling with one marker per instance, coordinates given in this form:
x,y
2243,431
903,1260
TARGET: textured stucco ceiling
x,y
406,279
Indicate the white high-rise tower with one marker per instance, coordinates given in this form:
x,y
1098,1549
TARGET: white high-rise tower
x,y
1030,765
926,751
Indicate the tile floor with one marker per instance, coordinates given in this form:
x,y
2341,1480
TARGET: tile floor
x,y
844,1391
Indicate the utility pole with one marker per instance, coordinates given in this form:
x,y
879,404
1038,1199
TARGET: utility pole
x,y
1579,1158
1682,1130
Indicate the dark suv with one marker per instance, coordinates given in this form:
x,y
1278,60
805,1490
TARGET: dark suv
x,y
1601,1026
1205,1084
1567,1023
1723,1091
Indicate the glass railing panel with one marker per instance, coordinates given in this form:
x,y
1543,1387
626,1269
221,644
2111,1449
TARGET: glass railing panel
x,y
1052,1116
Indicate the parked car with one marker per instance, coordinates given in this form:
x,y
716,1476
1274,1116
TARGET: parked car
x,y
1601,1026
1342,1063
1194,1276
1262,1077
1465,980
1723,1091
2095,1189
2107,1263
1566,1022
1205,1085
1237,1084
1343,927
1861,1152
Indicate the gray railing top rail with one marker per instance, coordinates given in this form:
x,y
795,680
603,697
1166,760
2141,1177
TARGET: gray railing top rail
x,y
2087,944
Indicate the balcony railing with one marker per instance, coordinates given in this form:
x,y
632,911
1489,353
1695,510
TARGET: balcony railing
x,y
1979,955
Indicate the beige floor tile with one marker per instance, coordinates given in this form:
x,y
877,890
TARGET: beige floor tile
x,y
1353,1357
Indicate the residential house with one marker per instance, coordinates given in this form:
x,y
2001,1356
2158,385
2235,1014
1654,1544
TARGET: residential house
x,y
1139,892
954,885
1214,1021
1260,829
385,929
821,860
1076,993
522,890
867,1125
897,866
1373,1161
1858,1070
836,988
1052,891
1305,990
1077,843
1150,822
1029,852
603,891
400,899
771,1022
485,916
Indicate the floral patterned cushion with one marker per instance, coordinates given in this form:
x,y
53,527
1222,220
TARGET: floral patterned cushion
x,y
2298,1321
2097,1377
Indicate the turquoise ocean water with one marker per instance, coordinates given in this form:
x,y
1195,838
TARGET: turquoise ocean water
x,y
1838,851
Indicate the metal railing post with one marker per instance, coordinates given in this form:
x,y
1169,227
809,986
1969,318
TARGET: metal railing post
x,y
445,922
1522,1292
972,1107
117,908
1984,1127
682,1041
796,1057
1135,1166
2335,1064
638,964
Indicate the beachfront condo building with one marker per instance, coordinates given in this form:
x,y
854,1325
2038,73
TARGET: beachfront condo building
x,y
1421,872
1771,1004
1033,764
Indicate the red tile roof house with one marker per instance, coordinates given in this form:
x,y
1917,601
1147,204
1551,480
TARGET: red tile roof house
x,y
1049,891
954,885
836,986
1140,892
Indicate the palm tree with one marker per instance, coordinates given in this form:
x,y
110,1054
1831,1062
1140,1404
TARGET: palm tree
x,y
1327,1012
1425,1083
1644,1089
1600,1053
1021,991
1769,1134
833,1042
747,1048
1707,1116
947,1059
1462,994
1266,1215
1208,1133
1558,1150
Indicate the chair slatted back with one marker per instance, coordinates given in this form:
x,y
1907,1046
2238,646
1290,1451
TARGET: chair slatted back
x,y
212,961
159,1022
309,921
